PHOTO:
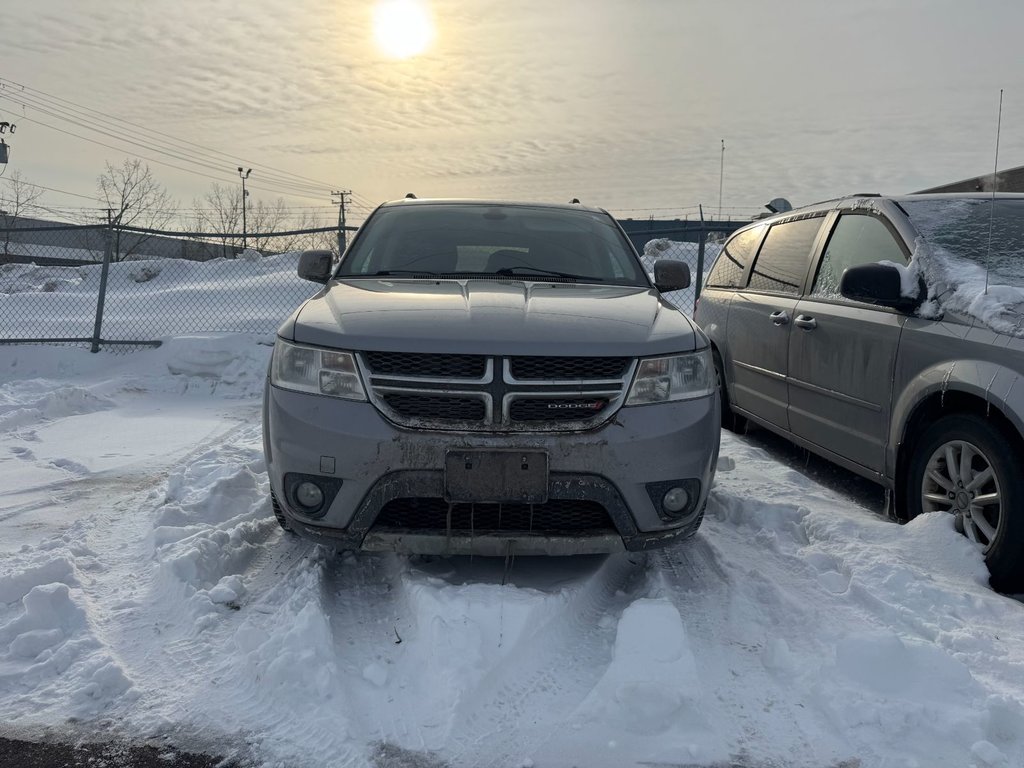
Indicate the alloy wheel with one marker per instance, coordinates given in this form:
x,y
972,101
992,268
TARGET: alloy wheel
x,y
960,479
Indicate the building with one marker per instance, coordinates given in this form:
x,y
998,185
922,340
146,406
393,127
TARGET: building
x,y
1010,180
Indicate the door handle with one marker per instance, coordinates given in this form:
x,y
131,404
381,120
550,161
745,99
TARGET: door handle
x,y
805,322
779,318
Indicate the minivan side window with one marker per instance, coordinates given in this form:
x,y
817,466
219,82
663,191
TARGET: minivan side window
x,y
857,239
785,256
732,262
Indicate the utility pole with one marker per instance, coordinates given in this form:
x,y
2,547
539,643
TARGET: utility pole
x,y
245,197
342,195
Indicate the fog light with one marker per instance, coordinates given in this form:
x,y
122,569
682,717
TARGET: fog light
x,y
675,500
309,495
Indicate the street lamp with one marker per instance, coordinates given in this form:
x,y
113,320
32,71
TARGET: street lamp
x,y
245,195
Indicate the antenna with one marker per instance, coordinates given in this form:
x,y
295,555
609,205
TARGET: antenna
x,y
721,178
995,182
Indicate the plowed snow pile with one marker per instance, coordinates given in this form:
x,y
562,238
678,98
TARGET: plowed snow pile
x,y
146,592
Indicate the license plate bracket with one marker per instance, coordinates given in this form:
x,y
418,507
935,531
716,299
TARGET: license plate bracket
x,y
496,476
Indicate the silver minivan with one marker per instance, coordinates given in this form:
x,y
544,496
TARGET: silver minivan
x,y
885,334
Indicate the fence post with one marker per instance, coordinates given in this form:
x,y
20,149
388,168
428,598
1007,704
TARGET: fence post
x,y
101,299
702,239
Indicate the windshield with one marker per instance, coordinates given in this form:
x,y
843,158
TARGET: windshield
x,y
961,228
440,240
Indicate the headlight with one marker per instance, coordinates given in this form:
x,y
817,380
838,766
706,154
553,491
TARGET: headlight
x,y
319,371
680,377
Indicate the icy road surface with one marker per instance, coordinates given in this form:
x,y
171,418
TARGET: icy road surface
x,y
146,591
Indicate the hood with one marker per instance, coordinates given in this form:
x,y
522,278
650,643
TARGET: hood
x,y
493,317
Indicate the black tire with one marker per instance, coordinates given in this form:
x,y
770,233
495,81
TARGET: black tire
x,y
281,519
998,451
730,420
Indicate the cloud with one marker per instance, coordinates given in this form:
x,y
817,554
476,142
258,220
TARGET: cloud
x,y
622,102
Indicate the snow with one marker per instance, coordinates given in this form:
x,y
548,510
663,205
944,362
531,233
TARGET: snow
x,y
963,273
152,299
147,591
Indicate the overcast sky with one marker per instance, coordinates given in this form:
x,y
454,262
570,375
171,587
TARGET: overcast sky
x,y
621,103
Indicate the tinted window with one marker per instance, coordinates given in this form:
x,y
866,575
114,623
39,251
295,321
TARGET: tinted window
x,y
733,260
500,240
785,256
857,239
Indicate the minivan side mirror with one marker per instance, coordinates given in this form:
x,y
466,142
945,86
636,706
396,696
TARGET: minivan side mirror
x,y
880,284
671,275
316,266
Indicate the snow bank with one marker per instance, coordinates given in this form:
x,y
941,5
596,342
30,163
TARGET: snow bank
x,y
152,299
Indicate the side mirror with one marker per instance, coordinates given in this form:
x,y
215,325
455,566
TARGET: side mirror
x,y
671,275
879,284
316,266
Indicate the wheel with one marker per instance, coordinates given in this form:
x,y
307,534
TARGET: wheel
x,y
965,465
281,519
730,420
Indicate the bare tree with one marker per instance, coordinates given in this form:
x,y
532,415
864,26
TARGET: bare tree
x,y
265,218
134,198
18,198
220,211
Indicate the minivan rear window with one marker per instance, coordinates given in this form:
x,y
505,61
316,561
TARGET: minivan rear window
x,y
782,263
732,262
985,231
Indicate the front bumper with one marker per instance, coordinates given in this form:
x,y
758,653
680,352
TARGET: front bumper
x,y
377,462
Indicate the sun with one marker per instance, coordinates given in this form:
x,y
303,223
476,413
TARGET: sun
x,y
402,28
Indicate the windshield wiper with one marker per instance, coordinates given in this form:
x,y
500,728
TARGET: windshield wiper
x,y
524,271
400,272
515,272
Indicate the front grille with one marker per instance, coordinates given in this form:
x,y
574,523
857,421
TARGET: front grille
x,y
552,409
431,514
426,365
438,407
496,394
568,367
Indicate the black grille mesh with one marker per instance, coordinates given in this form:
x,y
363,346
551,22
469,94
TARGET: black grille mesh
x,y
429,365
437,407
552,409
554,515
568,367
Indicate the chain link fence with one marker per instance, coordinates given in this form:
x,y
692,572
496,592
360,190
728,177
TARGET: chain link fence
x,y
106,285
695,243
115,285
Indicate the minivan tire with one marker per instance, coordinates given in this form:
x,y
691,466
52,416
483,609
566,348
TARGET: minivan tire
x,y
730,419
999,449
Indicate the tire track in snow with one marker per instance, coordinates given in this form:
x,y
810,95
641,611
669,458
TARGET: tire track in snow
x,y
746,696
367,604
523,701
158,607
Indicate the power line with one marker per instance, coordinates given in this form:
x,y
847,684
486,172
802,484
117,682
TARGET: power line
x,y
283,187
82,109
154,160
52,189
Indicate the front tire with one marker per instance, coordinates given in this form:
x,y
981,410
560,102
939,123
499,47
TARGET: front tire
x,y
966,465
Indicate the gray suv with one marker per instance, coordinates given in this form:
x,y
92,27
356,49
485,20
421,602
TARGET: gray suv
x,y
490,378
885,334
